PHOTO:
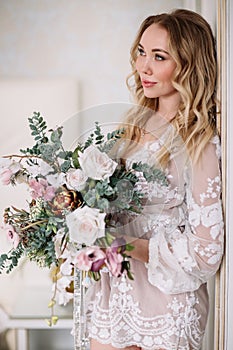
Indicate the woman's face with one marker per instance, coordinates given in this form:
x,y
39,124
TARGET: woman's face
x,y
154,63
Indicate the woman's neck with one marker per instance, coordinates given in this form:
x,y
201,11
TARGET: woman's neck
x,y
168,106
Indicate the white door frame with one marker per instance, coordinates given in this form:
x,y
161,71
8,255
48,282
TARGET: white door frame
x,y
224,281
228,338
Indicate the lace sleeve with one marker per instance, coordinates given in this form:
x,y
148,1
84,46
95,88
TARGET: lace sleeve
x,y
186,257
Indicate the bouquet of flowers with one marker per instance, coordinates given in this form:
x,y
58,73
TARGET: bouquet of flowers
x,y
67,222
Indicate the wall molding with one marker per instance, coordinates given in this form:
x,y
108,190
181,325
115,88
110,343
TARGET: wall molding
x,y
224,281
228,339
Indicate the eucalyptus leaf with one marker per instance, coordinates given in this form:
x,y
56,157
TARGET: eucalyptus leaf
x,y
90,197
75,157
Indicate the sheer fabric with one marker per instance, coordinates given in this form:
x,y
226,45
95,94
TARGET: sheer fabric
x,y
166,305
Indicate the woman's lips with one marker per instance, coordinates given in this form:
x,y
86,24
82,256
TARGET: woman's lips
x,y
148,84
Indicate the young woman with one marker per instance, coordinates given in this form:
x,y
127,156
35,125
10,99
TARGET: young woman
x,y
178,240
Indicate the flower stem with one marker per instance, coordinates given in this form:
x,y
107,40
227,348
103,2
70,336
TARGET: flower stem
x,y
34,223
20,156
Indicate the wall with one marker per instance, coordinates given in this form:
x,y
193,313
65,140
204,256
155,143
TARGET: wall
x,y
88,40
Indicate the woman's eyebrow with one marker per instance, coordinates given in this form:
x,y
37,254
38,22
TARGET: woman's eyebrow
x,y
155,50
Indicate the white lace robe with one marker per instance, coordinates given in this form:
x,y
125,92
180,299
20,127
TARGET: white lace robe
x,y
166,305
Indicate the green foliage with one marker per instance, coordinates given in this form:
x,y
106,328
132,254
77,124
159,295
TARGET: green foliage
x,y
112,138
40,246
126,197
38,128
104,189
47,147
116,134
11,260
65,166
95,275
90,197
98,138
75,157
126,267
151,173
38,229
56,135
121,173
120,193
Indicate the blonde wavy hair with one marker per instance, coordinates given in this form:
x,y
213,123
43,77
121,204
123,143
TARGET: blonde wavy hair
x,y
192,46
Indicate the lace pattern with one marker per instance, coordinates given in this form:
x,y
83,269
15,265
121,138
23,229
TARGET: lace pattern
x,y
177,328
194,252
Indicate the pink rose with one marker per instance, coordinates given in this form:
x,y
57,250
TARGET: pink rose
x,y
114,261
41,188
12,235
36,188
49,193
90,259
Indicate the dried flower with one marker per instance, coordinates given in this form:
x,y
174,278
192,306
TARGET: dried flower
x,y
65,199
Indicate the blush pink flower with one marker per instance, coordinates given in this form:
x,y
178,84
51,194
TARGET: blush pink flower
x,y
90,259
6,175
12,235
42,189
7,170
114,261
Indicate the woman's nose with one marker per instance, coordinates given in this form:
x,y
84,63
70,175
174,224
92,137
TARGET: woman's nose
x,y
146,66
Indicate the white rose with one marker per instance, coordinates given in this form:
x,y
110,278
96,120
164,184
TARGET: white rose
x,y
96,164
5,163
15,167
86,225
76,179
41,168
56,180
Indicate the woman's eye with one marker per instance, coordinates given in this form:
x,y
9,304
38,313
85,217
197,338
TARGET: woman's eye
x,y
141,52
159,58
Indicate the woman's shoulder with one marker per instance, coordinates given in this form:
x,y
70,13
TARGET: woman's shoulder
x,y
215,143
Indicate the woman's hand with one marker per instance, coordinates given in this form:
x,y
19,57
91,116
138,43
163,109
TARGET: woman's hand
x,y
141,248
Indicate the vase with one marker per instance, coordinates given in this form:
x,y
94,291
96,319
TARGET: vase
x,y
81,341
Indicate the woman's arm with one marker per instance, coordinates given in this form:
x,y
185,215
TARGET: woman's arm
x,y
183,258
141,249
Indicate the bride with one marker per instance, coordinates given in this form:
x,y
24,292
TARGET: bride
x,y
178,240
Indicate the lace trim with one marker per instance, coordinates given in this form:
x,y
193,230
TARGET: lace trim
x,y
124,325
